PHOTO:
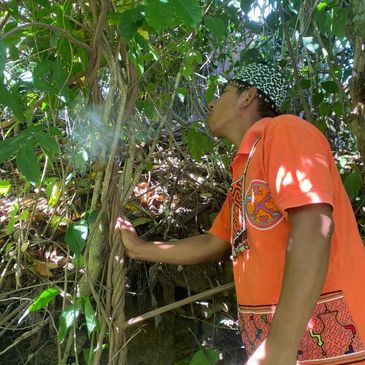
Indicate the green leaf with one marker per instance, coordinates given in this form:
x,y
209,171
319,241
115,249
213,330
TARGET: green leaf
x,y
340,20
81,157
44,3
216,26
181,93
305,83
325,109
214,83
273,20
76,235
353,184
2,59
88,354
330,86
198,142
324,22
13,211
43,299
42,76
12,101
250,55
338,108
50,76
68,317
205,357
5,186
322,6
255,27
28,165
129,22
318,98
246,5
8,149
159,13
90,316
47,143
54,131
92,217
188,11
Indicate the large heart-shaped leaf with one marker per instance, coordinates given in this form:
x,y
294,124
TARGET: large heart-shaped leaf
x,y
216,26
188,11
129,22
159,13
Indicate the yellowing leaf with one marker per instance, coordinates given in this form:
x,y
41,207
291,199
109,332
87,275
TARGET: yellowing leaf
x,y
141,220
24,246
5,186
55,194
131,207
143,33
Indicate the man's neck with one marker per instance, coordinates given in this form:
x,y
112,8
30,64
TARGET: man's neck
x,y
238,134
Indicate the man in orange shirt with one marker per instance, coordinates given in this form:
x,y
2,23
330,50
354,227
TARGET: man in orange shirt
x,y
298,259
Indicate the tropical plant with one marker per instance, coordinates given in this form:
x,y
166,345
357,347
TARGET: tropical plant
x,y
103,109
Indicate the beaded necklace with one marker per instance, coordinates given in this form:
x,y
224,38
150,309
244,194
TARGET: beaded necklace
x,y
240,241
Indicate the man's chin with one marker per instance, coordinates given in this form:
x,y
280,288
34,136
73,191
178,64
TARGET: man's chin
x,y
210,127
214,132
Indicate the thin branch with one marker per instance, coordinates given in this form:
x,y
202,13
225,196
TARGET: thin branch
x,y
294,64
4,20
64,32
25,335
328,55
178,304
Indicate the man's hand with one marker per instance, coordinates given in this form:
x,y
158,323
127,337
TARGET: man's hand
x,y
130,239
270,356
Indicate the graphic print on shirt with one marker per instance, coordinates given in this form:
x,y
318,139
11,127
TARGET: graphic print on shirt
x,y
261,210
331,336
236,208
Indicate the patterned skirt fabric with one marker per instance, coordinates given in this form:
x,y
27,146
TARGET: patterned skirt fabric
x,y
331,336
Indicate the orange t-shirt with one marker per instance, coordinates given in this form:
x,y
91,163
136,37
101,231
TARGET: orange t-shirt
x,y
292,166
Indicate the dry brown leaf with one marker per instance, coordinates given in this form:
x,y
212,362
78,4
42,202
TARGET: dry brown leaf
x,y
44,268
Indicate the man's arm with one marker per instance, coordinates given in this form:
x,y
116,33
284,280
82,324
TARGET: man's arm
x,y
305,271
187,251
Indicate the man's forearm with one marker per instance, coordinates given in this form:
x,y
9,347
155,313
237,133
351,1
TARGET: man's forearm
x,y
305,272
188,251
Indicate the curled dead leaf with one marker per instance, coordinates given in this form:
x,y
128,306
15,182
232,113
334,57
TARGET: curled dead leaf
x,y
44,268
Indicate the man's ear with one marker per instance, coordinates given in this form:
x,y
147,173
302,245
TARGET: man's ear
x,y
247,96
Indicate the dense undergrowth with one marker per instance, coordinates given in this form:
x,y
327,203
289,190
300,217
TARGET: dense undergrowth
x,y
103,110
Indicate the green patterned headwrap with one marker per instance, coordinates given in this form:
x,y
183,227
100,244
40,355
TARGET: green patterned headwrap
x,y
270,83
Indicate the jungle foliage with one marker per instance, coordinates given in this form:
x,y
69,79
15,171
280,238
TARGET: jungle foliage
x,y
103,106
